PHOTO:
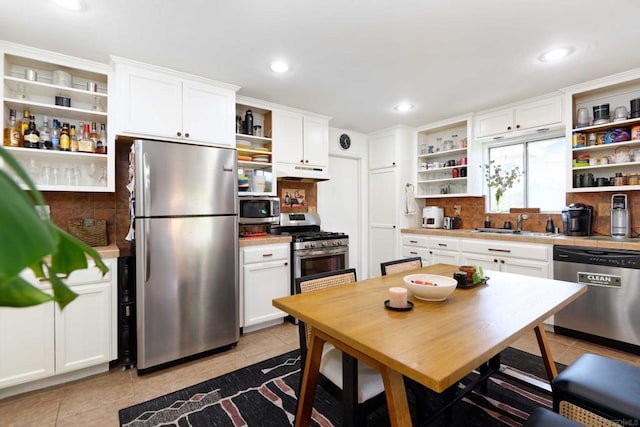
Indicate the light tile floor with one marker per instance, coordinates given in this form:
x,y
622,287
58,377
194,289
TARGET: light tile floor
x,y
95,401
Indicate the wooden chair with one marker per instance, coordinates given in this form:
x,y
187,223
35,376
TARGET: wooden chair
x,y
399,265
364,392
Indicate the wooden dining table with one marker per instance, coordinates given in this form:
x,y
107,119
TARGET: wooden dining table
x,y
435,343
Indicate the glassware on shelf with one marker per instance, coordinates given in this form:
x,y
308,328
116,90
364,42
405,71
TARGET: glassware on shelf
x,y
97,104
21,93
46,175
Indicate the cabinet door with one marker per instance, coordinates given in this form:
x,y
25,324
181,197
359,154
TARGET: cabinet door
x,y
316,141
208,113
383,233
382,151
26,344
446,257
487,262
83,329
289,137
151,103
494,123
262,283
526,267
538,113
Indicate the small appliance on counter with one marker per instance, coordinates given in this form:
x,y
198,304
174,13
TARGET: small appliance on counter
x,y
432,217
576,219
620,216
451,222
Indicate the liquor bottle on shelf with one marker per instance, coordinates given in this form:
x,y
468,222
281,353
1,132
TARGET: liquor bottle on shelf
x,y
101,145
45,134
85,144
24,125
12,132
55,135
65,142
73,139
94,136
31,135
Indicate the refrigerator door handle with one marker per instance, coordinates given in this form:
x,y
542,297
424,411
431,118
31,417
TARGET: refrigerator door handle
x,y
146,250
145,188
227,168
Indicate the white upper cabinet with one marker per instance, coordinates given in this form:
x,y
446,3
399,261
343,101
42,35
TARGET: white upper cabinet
x,y
301,144
155,102
534,116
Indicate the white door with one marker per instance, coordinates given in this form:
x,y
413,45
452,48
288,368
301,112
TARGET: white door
x,y
339,204
383,233
207,113
26,344
445,257
83,329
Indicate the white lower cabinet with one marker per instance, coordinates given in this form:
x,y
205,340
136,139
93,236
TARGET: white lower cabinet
x,y
444,250
528,259
42,342
265,275
414,245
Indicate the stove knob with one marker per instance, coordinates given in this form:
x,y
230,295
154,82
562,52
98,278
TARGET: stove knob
x,y
308,245
336,243
324,244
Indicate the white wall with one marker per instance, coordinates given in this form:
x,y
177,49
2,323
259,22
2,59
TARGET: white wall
x,y
339,208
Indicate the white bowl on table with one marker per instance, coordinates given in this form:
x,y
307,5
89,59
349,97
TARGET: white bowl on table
x,y
430,287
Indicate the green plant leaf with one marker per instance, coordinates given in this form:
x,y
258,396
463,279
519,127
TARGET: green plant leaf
x,y
71,254
62,294
25,238
17,292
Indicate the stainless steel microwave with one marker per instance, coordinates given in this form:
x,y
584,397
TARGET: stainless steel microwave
x,y
259,210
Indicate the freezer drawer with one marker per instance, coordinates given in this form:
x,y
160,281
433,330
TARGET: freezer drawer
x,y
187,287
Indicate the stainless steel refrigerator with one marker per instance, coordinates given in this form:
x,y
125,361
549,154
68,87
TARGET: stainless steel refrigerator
x,y
186,230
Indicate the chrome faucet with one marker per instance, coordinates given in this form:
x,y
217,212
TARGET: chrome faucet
x,y
521,217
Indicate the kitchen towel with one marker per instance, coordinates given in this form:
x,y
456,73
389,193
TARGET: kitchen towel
x,y
409,200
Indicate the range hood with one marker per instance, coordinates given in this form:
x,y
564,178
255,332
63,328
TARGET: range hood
x,y
302,173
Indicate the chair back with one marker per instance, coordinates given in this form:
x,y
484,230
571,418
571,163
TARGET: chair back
x,y
399,265
316,282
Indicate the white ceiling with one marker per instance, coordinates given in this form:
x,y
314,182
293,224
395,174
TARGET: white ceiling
x,y
352,60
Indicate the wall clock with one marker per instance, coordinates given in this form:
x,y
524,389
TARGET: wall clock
x,y
345,141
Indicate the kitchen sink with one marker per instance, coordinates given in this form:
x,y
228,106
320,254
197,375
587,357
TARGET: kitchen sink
x,y
515,232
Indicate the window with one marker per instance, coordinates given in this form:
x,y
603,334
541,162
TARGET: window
x,y
543,182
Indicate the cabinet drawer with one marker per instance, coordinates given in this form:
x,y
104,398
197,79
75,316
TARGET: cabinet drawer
x,y
265,253
412,251
444,243
414,240
507,249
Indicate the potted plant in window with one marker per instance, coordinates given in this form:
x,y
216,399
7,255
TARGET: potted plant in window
x,y
28,241
500,180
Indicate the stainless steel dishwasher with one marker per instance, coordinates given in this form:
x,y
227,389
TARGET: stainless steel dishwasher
x,y
609,313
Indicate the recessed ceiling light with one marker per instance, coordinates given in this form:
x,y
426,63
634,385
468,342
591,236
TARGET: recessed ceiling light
x,y
403,107
279,67
557,54
70,4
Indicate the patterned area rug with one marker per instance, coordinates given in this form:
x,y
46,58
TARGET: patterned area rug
x,y
264,394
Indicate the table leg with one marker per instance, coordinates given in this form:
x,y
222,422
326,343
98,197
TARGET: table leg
x,y
396,394
309,381
545,350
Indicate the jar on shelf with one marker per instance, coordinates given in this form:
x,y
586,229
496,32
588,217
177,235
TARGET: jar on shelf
x,y
447,145
619,179
257,130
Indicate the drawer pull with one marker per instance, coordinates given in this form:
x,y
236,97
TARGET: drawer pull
x,y
413,253
507,251
413,241
266,255
442,245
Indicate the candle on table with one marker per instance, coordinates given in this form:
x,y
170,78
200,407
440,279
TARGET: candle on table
x,y
398,297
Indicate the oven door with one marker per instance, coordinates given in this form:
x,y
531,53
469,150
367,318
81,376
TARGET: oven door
x,y
313,261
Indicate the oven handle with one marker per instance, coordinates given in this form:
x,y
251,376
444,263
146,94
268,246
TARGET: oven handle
x,y
306,253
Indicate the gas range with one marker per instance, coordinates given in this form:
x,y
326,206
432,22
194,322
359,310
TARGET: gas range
x,y
318,239
305,232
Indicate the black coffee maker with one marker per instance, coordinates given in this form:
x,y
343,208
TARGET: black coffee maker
x,y
576,219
